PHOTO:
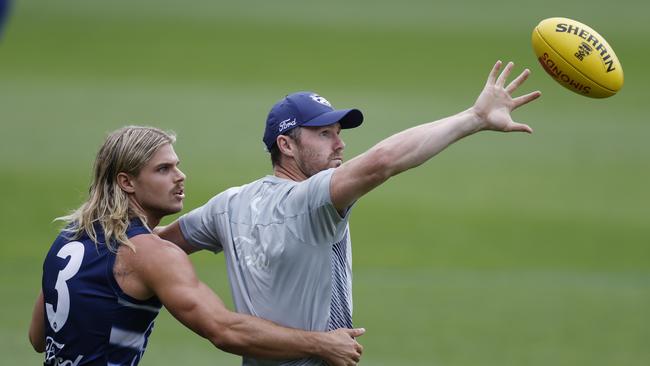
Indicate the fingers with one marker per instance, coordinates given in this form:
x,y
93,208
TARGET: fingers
x,y
359,348
494,73
524,99
356,357
501,80
357,332
518,81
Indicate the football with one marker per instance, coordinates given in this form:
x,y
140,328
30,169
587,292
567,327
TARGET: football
x,y
577,57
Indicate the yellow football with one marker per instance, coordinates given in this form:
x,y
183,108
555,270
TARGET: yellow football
x,y
577,57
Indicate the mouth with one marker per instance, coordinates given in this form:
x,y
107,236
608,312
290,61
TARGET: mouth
x,y
179,193
337,162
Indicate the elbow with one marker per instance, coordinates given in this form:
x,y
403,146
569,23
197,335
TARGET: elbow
x,y
382,165
217,337
226,337
227,341
37,343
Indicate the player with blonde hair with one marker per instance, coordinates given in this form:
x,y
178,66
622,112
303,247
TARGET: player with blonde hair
x,y
106,275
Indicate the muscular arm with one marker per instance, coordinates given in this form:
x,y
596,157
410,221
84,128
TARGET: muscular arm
x,y
37,326
169,274
414,146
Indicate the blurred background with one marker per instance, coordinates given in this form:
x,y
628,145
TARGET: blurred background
x,y
503,250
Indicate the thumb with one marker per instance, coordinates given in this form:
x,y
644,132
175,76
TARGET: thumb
x,y
357,332
519,127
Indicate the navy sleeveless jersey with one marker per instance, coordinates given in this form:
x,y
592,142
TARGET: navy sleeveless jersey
x,y
89,320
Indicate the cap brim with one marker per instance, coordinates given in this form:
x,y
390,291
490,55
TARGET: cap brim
x,y
348,118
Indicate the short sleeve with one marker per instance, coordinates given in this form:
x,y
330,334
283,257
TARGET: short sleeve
x,y
200,227
318,220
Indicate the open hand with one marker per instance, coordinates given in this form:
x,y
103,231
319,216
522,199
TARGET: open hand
x,y
495,103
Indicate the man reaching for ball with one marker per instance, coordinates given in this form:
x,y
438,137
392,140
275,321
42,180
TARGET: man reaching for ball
x,y
286,237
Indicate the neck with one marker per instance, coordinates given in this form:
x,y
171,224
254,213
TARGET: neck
x,y
289,170
152,222
152,219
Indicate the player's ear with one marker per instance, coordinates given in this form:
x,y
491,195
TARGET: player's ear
x,y
285,144
125,182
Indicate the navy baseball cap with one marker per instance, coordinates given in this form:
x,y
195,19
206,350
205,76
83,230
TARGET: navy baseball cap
x,y
306,109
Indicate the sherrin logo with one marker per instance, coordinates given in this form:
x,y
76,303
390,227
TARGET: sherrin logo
x,y
317,98
584,50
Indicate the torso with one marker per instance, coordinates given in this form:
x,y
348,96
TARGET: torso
x,y
278,237
89,319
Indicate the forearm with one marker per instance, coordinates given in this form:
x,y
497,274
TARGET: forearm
x,y
37,325
397,153
414,146
242,334
247,335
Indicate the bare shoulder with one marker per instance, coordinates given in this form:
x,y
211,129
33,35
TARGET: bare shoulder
x,y
154,268
154,243
156,264
152,251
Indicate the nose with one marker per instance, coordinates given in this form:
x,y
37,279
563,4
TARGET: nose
x,y
180,176
340,145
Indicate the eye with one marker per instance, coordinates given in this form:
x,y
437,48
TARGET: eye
x,y
163,169
325,133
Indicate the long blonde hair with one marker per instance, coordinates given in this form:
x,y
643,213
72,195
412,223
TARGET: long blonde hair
x,y
125,150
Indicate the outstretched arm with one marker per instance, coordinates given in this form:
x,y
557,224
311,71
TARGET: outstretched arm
x,y
414,146
167,272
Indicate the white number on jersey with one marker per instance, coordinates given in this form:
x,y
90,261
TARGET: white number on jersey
x,y
58,317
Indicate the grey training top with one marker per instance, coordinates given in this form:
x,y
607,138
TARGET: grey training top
x,y
287,252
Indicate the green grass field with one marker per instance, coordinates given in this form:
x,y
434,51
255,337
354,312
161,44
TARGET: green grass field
x,y
504,250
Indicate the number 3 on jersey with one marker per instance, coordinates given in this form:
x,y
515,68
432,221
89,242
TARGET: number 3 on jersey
x,y
58,317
